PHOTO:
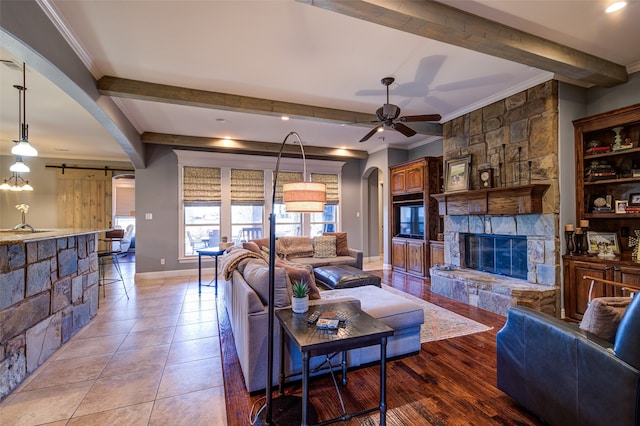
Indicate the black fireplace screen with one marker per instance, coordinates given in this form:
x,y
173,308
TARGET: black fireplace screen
x,y
498,254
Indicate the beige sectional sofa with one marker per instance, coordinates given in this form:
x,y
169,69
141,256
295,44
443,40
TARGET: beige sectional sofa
x,y
246,299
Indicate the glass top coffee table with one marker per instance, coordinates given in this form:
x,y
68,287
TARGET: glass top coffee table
x,y
358,330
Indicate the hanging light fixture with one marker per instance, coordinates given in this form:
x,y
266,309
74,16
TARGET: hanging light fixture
x,y
22,146
16,183
19,166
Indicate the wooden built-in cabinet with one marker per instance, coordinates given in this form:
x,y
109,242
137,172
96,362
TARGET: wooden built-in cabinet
x,y
615,181
576,289
412,184
437,253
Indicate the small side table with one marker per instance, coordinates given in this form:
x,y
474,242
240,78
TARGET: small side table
x,y
213,252
360,330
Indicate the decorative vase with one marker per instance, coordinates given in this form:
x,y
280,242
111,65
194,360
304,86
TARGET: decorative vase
x,y
300,305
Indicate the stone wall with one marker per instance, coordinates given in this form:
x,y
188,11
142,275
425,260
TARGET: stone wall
x,y
518,138
513,131
48,291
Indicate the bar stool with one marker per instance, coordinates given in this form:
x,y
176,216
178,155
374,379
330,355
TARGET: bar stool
x,y
111,237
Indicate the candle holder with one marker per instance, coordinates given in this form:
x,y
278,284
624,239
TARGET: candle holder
x,y
585,241
570,244
578,238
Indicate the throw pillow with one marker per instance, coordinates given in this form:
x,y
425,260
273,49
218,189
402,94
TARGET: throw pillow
x,y
261,242
301,274
293,247
603,316
342,246
324,246
252,246
256,274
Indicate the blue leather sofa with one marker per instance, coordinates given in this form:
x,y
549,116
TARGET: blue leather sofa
x,y
567,376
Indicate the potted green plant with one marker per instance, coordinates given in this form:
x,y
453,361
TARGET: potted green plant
x,y
300,299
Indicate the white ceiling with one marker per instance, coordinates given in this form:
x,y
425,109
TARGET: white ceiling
x,y
293,52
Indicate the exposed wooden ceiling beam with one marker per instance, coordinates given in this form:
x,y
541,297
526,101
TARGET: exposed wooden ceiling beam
x,y
440,22
251,147
142,90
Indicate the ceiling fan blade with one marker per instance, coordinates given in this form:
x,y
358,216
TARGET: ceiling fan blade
x,y
407,131
425,117
371,133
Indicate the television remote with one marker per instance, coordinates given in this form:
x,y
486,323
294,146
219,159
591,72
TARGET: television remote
x,y
313,317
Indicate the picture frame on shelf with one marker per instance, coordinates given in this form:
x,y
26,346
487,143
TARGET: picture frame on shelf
x,y
596,239
456,174
621,206
634,199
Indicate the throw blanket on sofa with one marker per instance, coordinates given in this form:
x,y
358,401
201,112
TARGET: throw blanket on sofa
x,y
233,257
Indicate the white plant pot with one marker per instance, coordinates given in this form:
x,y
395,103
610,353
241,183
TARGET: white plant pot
x,y
300,305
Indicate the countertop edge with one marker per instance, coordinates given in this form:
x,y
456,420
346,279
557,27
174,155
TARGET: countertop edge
x,y
8,236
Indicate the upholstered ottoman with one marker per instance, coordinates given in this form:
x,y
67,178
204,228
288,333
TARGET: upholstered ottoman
x,y
336,277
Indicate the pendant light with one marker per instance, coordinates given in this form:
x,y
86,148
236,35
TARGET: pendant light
x,y
22,146
19,166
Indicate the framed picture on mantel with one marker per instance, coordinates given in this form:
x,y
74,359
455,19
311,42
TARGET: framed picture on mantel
x,y
456,174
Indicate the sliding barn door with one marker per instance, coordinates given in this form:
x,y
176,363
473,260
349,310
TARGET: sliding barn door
x,y
84,199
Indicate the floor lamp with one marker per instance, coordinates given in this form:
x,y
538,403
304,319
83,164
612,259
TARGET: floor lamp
x,y
299,197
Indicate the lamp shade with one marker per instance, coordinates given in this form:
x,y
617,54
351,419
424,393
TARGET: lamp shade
x,y
304,197
19,167
24,148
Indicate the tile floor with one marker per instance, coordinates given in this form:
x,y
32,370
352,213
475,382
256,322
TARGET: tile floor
x,y
153,359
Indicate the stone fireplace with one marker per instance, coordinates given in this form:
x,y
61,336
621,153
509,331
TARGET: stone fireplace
x,y
497,292
516,217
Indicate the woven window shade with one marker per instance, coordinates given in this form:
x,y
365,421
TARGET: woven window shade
x,y
201,186
286,177
247,187
331,181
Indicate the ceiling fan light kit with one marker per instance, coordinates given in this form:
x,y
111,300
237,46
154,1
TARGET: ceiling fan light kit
x,y
389,117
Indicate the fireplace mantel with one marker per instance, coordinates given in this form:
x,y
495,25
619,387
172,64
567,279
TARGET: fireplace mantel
x,y
522,199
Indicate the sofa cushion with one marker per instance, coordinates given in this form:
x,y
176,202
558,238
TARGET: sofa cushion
x,y
603,316
256,274
395,311
324,246
324,261
626,346
301,273
342,245
292,247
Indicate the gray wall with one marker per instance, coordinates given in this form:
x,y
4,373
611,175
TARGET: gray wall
x,y
157,193
602,100
431,149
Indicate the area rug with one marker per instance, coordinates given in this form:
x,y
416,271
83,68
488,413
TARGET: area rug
x,y
439,323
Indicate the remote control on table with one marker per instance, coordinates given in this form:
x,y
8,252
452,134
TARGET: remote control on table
x,y
313,317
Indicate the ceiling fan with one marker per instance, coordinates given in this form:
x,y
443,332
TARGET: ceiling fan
x,y
388,116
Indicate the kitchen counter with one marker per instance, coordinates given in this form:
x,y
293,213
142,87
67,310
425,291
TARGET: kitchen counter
x,y
11,236
48,292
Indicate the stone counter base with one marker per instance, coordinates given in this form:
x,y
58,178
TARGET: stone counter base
x,y
48,292
491,292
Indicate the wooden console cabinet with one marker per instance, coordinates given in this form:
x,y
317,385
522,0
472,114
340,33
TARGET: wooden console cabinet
x,y
576,289
605,172
412,184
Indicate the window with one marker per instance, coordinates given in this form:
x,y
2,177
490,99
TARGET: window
x,y
328,220
247,204
201,203
287,224
208,213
